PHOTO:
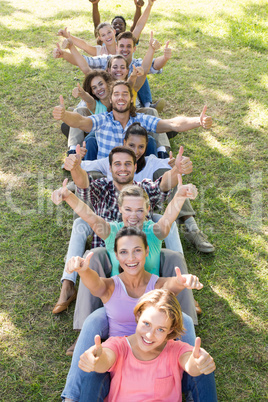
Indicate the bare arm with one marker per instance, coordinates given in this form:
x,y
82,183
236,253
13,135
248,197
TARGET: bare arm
x,y
95,12
58,53
179,282
138,4
142,20
96,222
161,61
182,123
80,43
162,227
80,92
198,362
97,358
71,118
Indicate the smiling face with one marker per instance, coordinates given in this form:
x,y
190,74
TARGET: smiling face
x,y
122,169
99,88
131,254
118,70
121,99
126,48
137,143
152,329
107,35
118,25
134,211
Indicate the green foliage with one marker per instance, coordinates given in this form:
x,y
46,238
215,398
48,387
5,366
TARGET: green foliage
x,y
219,59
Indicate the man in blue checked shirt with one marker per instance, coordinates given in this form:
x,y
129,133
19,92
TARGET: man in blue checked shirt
x,y
110,127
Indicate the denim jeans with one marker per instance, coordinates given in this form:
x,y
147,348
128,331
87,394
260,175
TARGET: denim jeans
x,y
97,323
172,241
80,232
144,93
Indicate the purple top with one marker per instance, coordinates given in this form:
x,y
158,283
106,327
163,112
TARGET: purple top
x,y
119,308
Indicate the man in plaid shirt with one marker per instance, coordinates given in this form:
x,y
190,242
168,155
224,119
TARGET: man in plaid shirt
x,y
102,195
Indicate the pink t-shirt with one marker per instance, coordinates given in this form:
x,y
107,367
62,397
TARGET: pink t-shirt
x,y
156,380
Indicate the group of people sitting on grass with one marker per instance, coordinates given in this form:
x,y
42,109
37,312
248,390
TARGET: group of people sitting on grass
x,y
131,289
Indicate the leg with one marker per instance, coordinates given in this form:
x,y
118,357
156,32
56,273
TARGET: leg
x,y
96,389
203,387
144,94
80,231
86,303
172,241
76,136
96,323
151,146
189,333
92,148
168,261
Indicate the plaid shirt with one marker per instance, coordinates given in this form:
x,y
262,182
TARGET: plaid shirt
x,y
103,194
101,62
110,133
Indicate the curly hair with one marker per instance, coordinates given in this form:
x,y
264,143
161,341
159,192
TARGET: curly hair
x,y
132,109
96,73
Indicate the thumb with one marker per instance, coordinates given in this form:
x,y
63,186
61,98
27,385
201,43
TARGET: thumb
x,y
203,112
77,149
61,101
181,152
98,349
58,46
167,43
179,275
152,35
97,340
64,183
170,155
196,349
84,144
87,260
79,86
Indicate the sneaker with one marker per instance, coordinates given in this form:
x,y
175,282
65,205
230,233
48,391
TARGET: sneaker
x,y
171,134
159,105
71,151
162,155
199,240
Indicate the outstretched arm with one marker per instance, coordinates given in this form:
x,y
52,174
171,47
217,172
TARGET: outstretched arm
x,y
71,118
163,226
99,287
96,222
80,43
142,20
80,61
97,358
161,61
78,91
58,53
179,282
138,4
73,164
198,362
182,123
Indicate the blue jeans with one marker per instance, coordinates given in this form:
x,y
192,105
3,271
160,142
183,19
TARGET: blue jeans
x,y
80,232
97,323
172,241
92,147
144,93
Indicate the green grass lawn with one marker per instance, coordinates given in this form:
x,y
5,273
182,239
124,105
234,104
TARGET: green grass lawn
x,y
219,59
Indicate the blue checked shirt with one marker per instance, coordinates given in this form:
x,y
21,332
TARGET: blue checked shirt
x,y
101,62
110,133
103,194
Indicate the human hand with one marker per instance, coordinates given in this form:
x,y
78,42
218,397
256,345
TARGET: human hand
x,y
78,91
183,163
171,160
139,3
188,281
78,264
204,362
59,111
186,190
167,51
205,121
154,42
61,194
57,53
73,160
90,357
63,32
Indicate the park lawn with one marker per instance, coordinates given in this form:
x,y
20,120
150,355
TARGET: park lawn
x,y
219,59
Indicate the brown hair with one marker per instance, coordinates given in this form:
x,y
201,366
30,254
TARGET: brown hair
x,y
132,110
165,301
123,150
96,73
130,231
133,191
126,35
115,57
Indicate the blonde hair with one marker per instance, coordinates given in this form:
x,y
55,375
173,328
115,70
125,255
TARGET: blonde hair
x,y
102,25
165,301
133,191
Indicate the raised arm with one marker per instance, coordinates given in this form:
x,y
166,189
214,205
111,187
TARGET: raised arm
x,y
78,91
142,20
96,222
179,282
80,61
97,358
182,123
71,118
198,362
182,165
95,12
99,287
161,61
163,226
80,43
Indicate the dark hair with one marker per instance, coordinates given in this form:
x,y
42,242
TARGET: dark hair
x,y
132,110
126,35
121,18
115,57
130,231
96,73
123,150
137,129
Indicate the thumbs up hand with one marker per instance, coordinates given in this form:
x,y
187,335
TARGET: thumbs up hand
x,y
203,361
167,51
205,121
183,163
59,111
90,358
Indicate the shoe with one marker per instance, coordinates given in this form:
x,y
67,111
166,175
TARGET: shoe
x,y
70,351
171,134
59,307
159,105
197,308
65,129
71,151
199,240
162,155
